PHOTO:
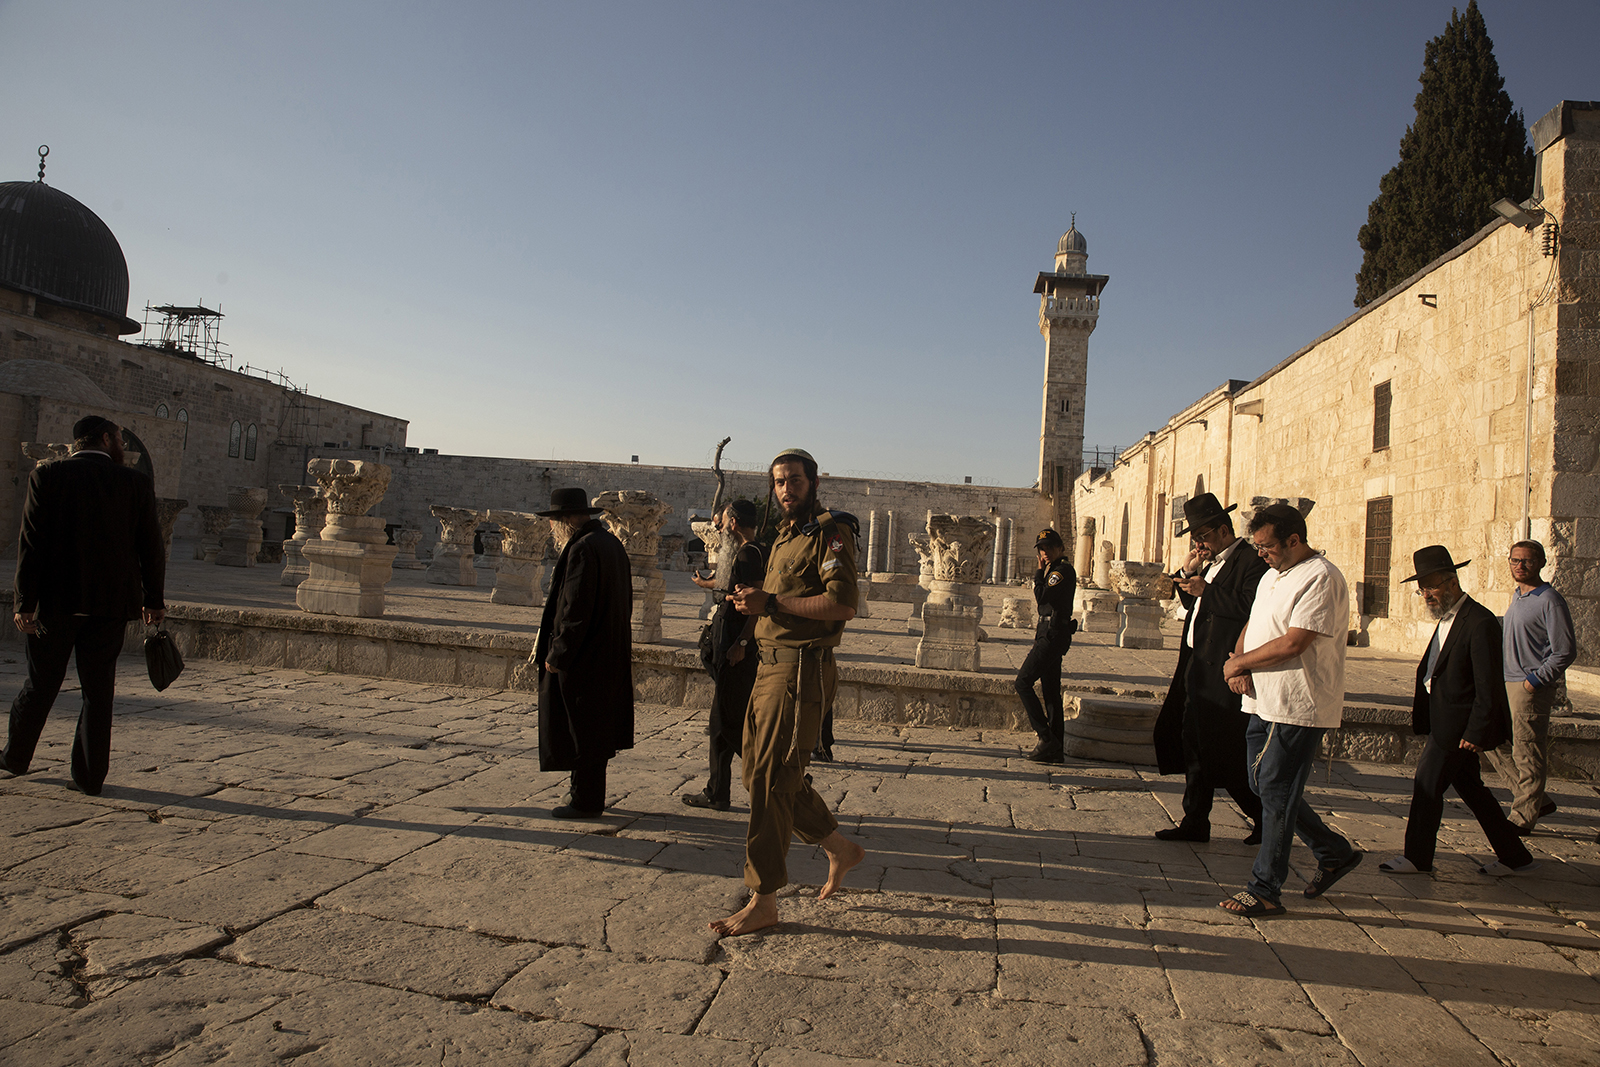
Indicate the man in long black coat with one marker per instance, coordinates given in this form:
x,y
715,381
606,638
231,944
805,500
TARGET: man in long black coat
x,y
585,655
1200,730
90,559
1460,705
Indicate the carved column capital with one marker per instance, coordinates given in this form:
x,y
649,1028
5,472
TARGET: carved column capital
x,y
959,545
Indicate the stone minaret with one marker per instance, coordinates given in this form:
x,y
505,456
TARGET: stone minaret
x,y
1069,307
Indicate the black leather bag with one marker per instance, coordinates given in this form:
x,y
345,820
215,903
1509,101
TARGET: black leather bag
x,y
162,658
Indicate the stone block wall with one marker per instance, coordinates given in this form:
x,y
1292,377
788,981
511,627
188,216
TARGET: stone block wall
x,y
138,379
420,481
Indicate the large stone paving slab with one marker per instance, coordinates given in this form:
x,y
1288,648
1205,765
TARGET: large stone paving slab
x,y
303,869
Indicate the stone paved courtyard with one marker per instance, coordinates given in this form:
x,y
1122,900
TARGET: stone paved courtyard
x,y
337,870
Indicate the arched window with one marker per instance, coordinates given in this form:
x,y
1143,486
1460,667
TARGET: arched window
x,y
250,442
1122,551
161,411
235,433
183,417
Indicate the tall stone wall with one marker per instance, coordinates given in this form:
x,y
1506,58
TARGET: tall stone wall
x,y
421,481
1452,346
138,379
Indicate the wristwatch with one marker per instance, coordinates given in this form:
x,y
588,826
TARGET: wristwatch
x,y
771,607
743,641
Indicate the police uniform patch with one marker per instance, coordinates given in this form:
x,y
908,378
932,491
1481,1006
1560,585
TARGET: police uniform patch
x,y
836,545
1054,579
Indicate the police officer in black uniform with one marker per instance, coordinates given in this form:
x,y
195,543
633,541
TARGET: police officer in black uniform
x,y
1053,586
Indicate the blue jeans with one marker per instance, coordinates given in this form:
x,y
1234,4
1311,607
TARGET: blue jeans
x,y
1280,758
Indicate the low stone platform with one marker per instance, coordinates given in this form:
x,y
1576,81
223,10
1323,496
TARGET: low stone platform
x,y
452,635
295,865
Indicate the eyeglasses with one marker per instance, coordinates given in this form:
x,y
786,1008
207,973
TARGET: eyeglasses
x,y
1520,561
1263,547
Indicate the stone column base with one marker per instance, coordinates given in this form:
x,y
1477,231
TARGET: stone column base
x,y
295,567
452,565
1117,731
1016,613
1139,623
950,618
345,579
648,592
1097,611
239,549
516,581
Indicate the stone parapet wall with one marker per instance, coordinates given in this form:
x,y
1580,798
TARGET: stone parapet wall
x,y
673,677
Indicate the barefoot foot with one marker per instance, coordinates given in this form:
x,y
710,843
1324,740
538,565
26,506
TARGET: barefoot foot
x,y
760,913
843,854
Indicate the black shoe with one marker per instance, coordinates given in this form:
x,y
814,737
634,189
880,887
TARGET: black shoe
x,y
5,765
822,754
1045,752
1184,833
1255,836
1323,880
86,790
567,811
700,800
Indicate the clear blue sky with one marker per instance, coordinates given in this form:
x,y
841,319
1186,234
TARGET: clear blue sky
x,y
595,230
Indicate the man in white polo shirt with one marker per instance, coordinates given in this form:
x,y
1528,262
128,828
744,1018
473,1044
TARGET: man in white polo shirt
x,y
1289,667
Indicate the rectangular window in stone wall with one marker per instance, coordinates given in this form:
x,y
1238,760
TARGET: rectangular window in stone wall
x,y
1375,570
1381,399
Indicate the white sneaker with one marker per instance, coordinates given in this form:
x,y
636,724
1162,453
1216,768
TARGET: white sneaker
x,y
1399,865
1499,869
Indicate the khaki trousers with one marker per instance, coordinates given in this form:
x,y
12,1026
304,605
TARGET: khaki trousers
x,y
780,729
1530,750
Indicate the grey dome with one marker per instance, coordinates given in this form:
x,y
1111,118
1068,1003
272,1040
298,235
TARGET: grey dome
x,y
1072,241
55,248
55,381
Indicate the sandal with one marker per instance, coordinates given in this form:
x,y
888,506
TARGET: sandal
x,y
1250,906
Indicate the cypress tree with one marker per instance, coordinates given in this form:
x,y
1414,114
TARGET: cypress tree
x,y
1467,148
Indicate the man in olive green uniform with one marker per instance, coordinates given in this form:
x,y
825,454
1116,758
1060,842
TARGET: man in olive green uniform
x,y
808,596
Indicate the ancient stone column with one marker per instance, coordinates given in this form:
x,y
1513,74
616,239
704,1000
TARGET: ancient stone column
x,y
1139,612
167,511
405,542
959,546
352,561
452,556
888,542
1011,549
213,520
310,516
523,539
712,539
1102,565
871,560
919,543
997,568
241,538
635,516
489,558
1084,563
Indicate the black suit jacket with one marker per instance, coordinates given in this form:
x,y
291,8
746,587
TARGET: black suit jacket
x,y
586,633
1468,700
91,542
1197,686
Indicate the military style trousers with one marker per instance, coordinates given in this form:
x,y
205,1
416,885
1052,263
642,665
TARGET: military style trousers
x,y
793,690
1530,750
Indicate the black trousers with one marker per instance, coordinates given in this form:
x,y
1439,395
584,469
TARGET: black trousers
x,y
589,786
1043,665
1215,762
97,642
726,722
1437,770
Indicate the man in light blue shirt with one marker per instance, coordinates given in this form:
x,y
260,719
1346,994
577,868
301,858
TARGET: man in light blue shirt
x,y
1539,646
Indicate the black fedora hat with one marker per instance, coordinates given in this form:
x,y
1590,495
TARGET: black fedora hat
x,y
1431,560
568,502
1203,510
